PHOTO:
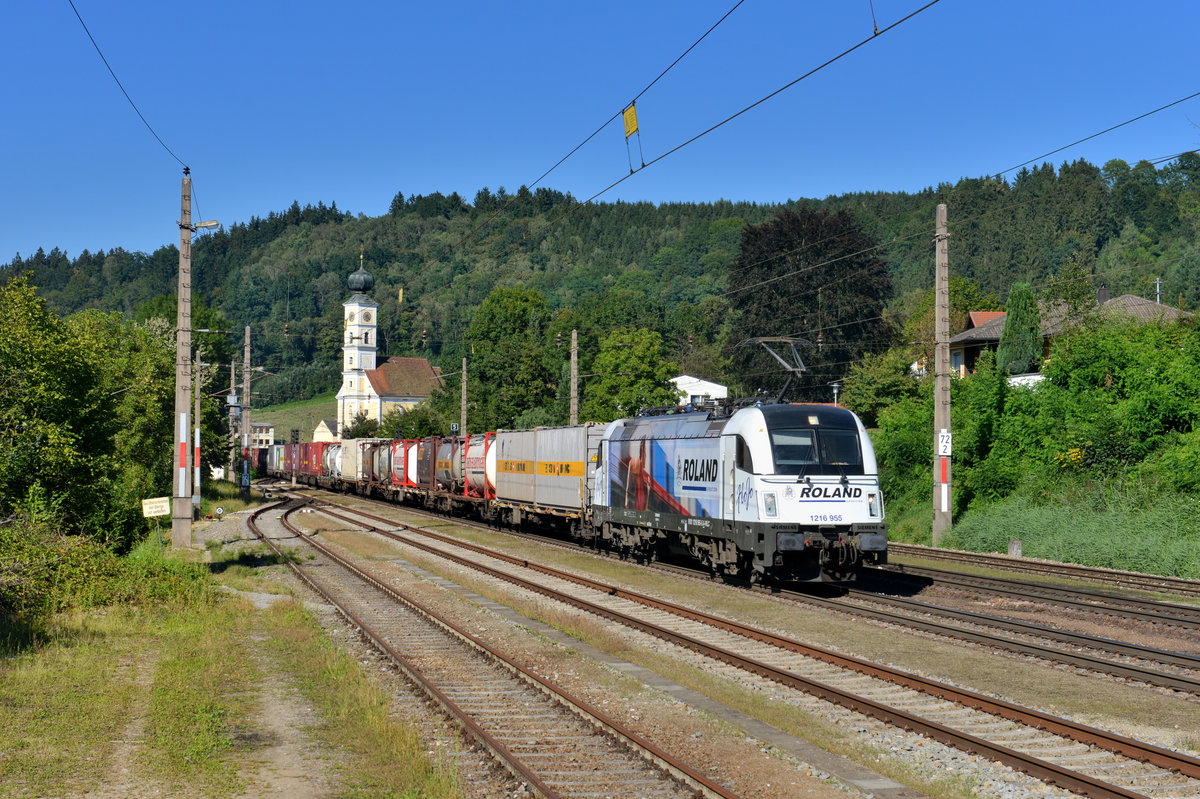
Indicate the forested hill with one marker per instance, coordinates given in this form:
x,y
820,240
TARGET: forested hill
x,y
663,267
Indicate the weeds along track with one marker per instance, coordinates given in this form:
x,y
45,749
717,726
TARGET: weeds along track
x,y
557,745
1086,760
1120,579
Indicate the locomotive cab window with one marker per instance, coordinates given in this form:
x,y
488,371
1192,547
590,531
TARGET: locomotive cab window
x,y
806,451
840,448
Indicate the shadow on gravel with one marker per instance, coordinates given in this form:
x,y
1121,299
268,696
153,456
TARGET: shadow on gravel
x,y
246,559
892,580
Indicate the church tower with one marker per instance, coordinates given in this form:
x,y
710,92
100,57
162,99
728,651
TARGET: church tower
x,y
358,348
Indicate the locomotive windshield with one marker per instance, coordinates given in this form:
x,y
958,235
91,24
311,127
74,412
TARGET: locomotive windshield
x,y
807,451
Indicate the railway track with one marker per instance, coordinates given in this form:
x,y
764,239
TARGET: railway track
x,y
1152,666
556,744
1158,667
1122,579
1082,759
1092,601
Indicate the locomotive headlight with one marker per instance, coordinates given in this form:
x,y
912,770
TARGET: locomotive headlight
x,y
873,504
769,507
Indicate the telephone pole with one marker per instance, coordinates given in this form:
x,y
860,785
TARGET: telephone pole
x,y
942,436
234,415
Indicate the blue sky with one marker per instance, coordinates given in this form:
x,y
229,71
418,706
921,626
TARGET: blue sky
x,y
350,103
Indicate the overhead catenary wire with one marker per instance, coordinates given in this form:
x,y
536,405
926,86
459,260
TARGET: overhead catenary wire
x,y
471,233
702,134
1100,133
122,87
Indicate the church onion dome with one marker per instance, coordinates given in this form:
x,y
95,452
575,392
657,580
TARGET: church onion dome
x,y
361,281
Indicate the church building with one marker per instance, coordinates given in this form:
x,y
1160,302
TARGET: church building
x,y
397,383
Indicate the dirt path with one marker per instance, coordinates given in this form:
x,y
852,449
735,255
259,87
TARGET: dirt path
x,y
283,759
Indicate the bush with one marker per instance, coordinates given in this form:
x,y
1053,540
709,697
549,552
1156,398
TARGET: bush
x,y
44,572
1161,539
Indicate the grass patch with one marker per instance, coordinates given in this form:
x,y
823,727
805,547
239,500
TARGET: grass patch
x,y
243,571
1164,539
390,757
200,697
300,414
64,703
228,497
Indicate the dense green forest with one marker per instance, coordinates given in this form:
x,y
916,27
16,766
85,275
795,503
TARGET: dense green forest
x,y
671,268
655,290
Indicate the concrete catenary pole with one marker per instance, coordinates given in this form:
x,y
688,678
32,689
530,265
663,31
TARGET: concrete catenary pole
x,y
233,417
246,415
462,411
197,364
181,495
942,436
574,376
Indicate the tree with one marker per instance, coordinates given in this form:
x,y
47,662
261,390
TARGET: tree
x,y
509,370
879,381
85,420
424,419
965,297
1070,294
631,373
810,274
131,433
361,427
46,398
1020,347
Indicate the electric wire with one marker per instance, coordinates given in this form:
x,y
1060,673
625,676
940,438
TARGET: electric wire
x,y
122,87
470,234
762,100
1101,133
720,124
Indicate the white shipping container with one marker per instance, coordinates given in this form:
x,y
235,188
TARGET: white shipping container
x,y
549,467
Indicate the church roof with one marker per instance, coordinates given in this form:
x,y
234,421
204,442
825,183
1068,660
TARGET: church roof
x,y
404,377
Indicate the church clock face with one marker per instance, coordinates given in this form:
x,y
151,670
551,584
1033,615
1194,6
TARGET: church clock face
x,y
366,316
350,317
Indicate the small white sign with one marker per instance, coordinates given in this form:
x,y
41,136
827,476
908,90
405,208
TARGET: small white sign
x,y
944,443
159,506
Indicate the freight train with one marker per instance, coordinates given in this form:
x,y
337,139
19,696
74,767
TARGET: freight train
x,y
769,493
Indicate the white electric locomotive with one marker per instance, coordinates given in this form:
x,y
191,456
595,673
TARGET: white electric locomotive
x,y
785,492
